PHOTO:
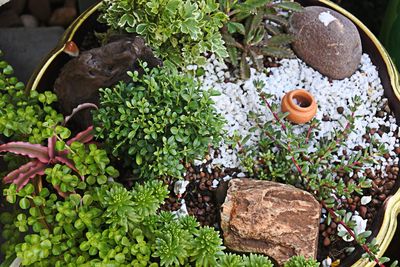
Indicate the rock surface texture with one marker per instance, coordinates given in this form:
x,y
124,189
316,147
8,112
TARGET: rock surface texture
x,y
327,41
271,218
81,78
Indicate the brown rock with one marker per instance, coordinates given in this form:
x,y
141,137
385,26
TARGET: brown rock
x,y
40,9
18,5
63,16
82,77
327,41
270,218
8,18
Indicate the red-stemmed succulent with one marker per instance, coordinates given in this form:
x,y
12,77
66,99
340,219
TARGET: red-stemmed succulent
x,y
42,157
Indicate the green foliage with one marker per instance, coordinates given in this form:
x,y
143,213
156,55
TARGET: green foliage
x,y
178,31
158,120
255,260
284,156
256,29
24,116
300,261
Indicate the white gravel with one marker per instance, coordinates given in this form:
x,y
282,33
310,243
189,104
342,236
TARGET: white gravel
x,y
239,97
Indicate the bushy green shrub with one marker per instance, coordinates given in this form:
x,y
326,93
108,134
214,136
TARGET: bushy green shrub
x,y
178,31
157,121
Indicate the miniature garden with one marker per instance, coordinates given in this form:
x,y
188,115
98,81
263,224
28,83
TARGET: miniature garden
x,y
200,133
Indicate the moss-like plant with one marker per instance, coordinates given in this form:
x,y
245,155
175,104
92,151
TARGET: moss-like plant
x,y
178,31
157,121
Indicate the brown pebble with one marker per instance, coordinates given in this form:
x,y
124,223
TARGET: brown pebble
x,y
356,199
382,197
397,150
386,156
378,182
363,211
206,198
340,110
325,234
380,114
322,227
350,200
353,207
327,241
202,186
333,225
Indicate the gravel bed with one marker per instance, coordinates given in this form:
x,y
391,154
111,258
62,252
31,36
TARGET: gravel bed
x,y
207,179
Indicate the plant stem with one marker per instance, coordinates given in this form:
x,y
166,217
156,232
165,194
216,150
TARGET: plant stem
x,y
351,233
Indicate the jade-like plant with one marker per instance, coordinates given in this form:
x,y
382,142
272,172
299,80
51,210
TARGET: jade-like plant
x,y
284,156
24,116
256,29
158,121
178,31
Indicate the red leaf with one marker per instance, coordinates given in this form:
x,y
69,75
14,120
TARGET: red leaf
x,y
32,151
23,174
83,137
69,164
51,147
79,108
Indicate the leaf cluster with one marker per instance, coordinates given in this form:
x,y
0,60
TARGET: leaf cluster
x,y
300,261
24,116
179,32
157,121
256,28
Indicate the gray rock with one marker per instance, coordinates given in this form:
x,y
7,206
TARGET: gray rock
x,y
24,48
327,41
270,218
82,77
29,21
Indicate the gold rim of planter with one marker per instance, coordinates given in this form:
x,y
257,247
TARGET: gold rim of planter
x,y
392,209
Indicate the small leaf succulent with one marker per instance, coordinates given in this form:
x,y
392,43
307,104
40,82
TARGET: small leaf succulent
x,y
256,28
179,32
158,121
24,116
300,261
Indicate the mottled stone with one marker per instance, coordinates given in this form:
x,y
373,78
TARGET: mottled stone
x,y
274,219
63,16
327,41
82,77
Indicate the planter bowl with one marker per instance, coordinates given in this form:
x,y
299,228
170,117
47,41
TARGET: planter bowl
x,y
384,225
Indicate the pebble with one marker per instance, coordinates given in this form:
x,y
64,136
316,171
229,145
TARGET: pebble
x,y
29,21
337,53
